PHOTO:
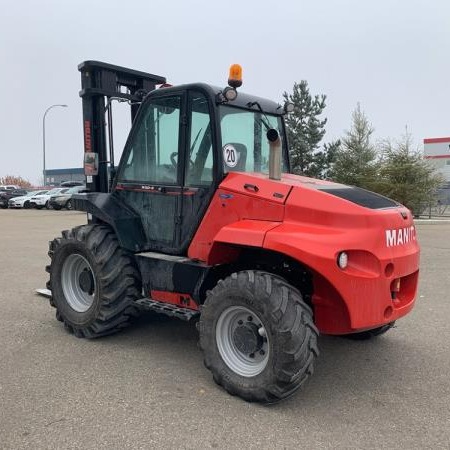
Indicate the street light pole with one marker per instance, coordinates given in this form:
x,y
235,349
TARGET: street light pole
x,y
43,135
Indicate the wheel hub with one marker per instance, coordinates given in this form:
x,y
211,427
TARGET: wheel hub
x,y
242,341
86,281
78,282
247,339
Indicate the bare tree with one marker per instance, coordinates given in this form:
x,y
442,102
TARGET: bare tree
x,y
15,180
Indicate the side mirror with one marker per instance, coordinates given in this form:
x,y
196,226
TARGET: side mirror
x,y
90,164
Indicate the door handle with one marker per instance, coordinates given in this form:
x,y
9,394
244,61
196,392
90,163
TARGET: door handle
x,y
251,187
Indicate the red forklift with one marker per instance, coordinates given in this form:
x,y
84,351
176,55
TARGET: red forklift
x,y
203,220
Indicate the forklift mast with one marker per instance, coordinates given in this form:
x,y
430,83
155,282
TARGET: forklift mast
x,y
101,83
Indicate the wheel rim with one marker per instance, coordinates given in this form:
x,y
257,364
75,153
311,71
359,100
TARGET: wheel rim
x,y
69,205
242,341
78,282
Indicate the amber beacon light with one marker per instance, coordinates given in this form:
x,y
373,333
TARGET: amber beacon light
x,y
235,76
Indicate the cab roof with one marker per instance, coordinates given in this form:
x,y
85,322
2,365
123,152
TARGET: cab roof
x,y
243,100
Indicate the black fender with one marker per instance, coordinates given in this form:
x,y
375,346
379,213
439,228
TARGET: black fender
x,y
110,209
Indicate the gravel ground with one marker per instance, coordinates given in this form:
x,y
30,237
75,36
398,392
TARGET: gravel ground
x,y
147,387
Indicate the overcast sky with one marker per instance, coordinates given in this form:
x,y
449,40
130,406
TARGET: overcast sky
x,y
391,56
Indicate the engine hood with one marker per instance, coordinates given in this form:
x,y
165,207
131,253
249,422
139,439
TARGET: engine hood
x,y
338,205
320,204
327,192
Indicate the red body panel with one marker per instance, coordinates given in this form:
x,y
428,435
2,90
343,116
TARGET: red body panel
x,y
313,227
233,203
174,298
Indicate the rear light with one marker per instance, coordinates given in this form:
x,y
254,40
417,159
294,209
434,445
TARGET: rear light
x,y
395,288
359,263
342,260
396,285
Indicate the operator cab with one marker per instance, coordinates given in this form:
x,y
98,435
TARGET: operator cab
x,y
186,123
184,141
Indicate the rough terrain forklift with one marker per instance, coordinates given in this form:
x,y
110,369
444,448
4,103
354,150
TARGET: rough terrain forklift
x,y
203,220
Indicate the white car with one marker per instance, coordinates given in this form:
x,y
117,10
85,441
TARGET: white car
x,y
39,201
8,187
24,200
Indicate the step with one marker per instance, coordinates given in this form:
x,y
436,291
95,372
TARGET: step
x,y
168,309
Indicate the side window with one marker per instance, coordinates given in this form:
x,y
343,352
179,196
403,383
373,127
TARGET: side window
x,y
153,152
245,147
199,165
238,140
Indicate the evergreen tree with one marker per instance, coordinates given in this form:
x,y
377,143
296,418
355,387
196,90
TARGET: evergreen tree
x,y
406,176
356,161
305,130
323,162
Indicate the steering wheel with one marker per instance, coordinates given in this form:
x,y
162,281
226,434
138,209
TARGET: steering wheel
x,y
174,161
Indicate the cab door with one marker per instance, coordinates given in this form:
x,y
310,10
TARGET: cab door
x,y
151,173
200,178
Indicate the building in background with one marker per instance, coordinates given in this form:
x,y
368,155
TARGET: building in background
x,y
437,153
54,177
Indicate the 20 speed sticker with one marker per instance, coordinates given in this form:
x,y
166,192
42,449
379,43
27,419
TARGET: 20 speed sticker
x,y
230,155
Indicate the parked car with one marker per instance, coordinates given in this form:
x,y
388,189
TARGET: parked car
x,y
9,187
24,200
43,200
6,195
64,199
71,183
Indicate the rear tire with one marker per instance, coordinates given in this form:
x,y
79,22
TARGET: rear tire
x,y
94,282
258,336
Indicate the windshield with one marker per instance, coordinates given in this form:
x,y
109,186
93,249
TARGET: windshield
x,y
244,143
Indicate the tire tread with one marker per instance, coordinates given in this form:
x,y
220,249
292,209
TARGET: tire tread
x,y
118,277
288,312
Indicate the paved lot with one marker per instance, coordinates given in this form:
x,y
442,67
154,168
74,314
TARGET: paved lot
x,y
147,388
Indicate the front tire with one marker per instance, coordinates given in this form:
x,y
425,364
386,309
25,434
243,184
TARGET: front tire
x,y
94,282
69,205
258,336
27,205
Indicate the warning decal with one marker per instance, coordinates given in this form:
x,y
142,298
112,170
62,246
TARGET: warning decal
x,y
230,155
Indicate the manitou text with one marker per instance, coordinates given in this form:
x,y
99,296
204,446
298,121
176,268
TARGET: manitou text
x,y
400,236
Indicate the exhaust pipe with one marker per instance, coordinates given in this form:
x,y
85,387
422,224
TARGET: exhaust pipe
x,y
274,154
